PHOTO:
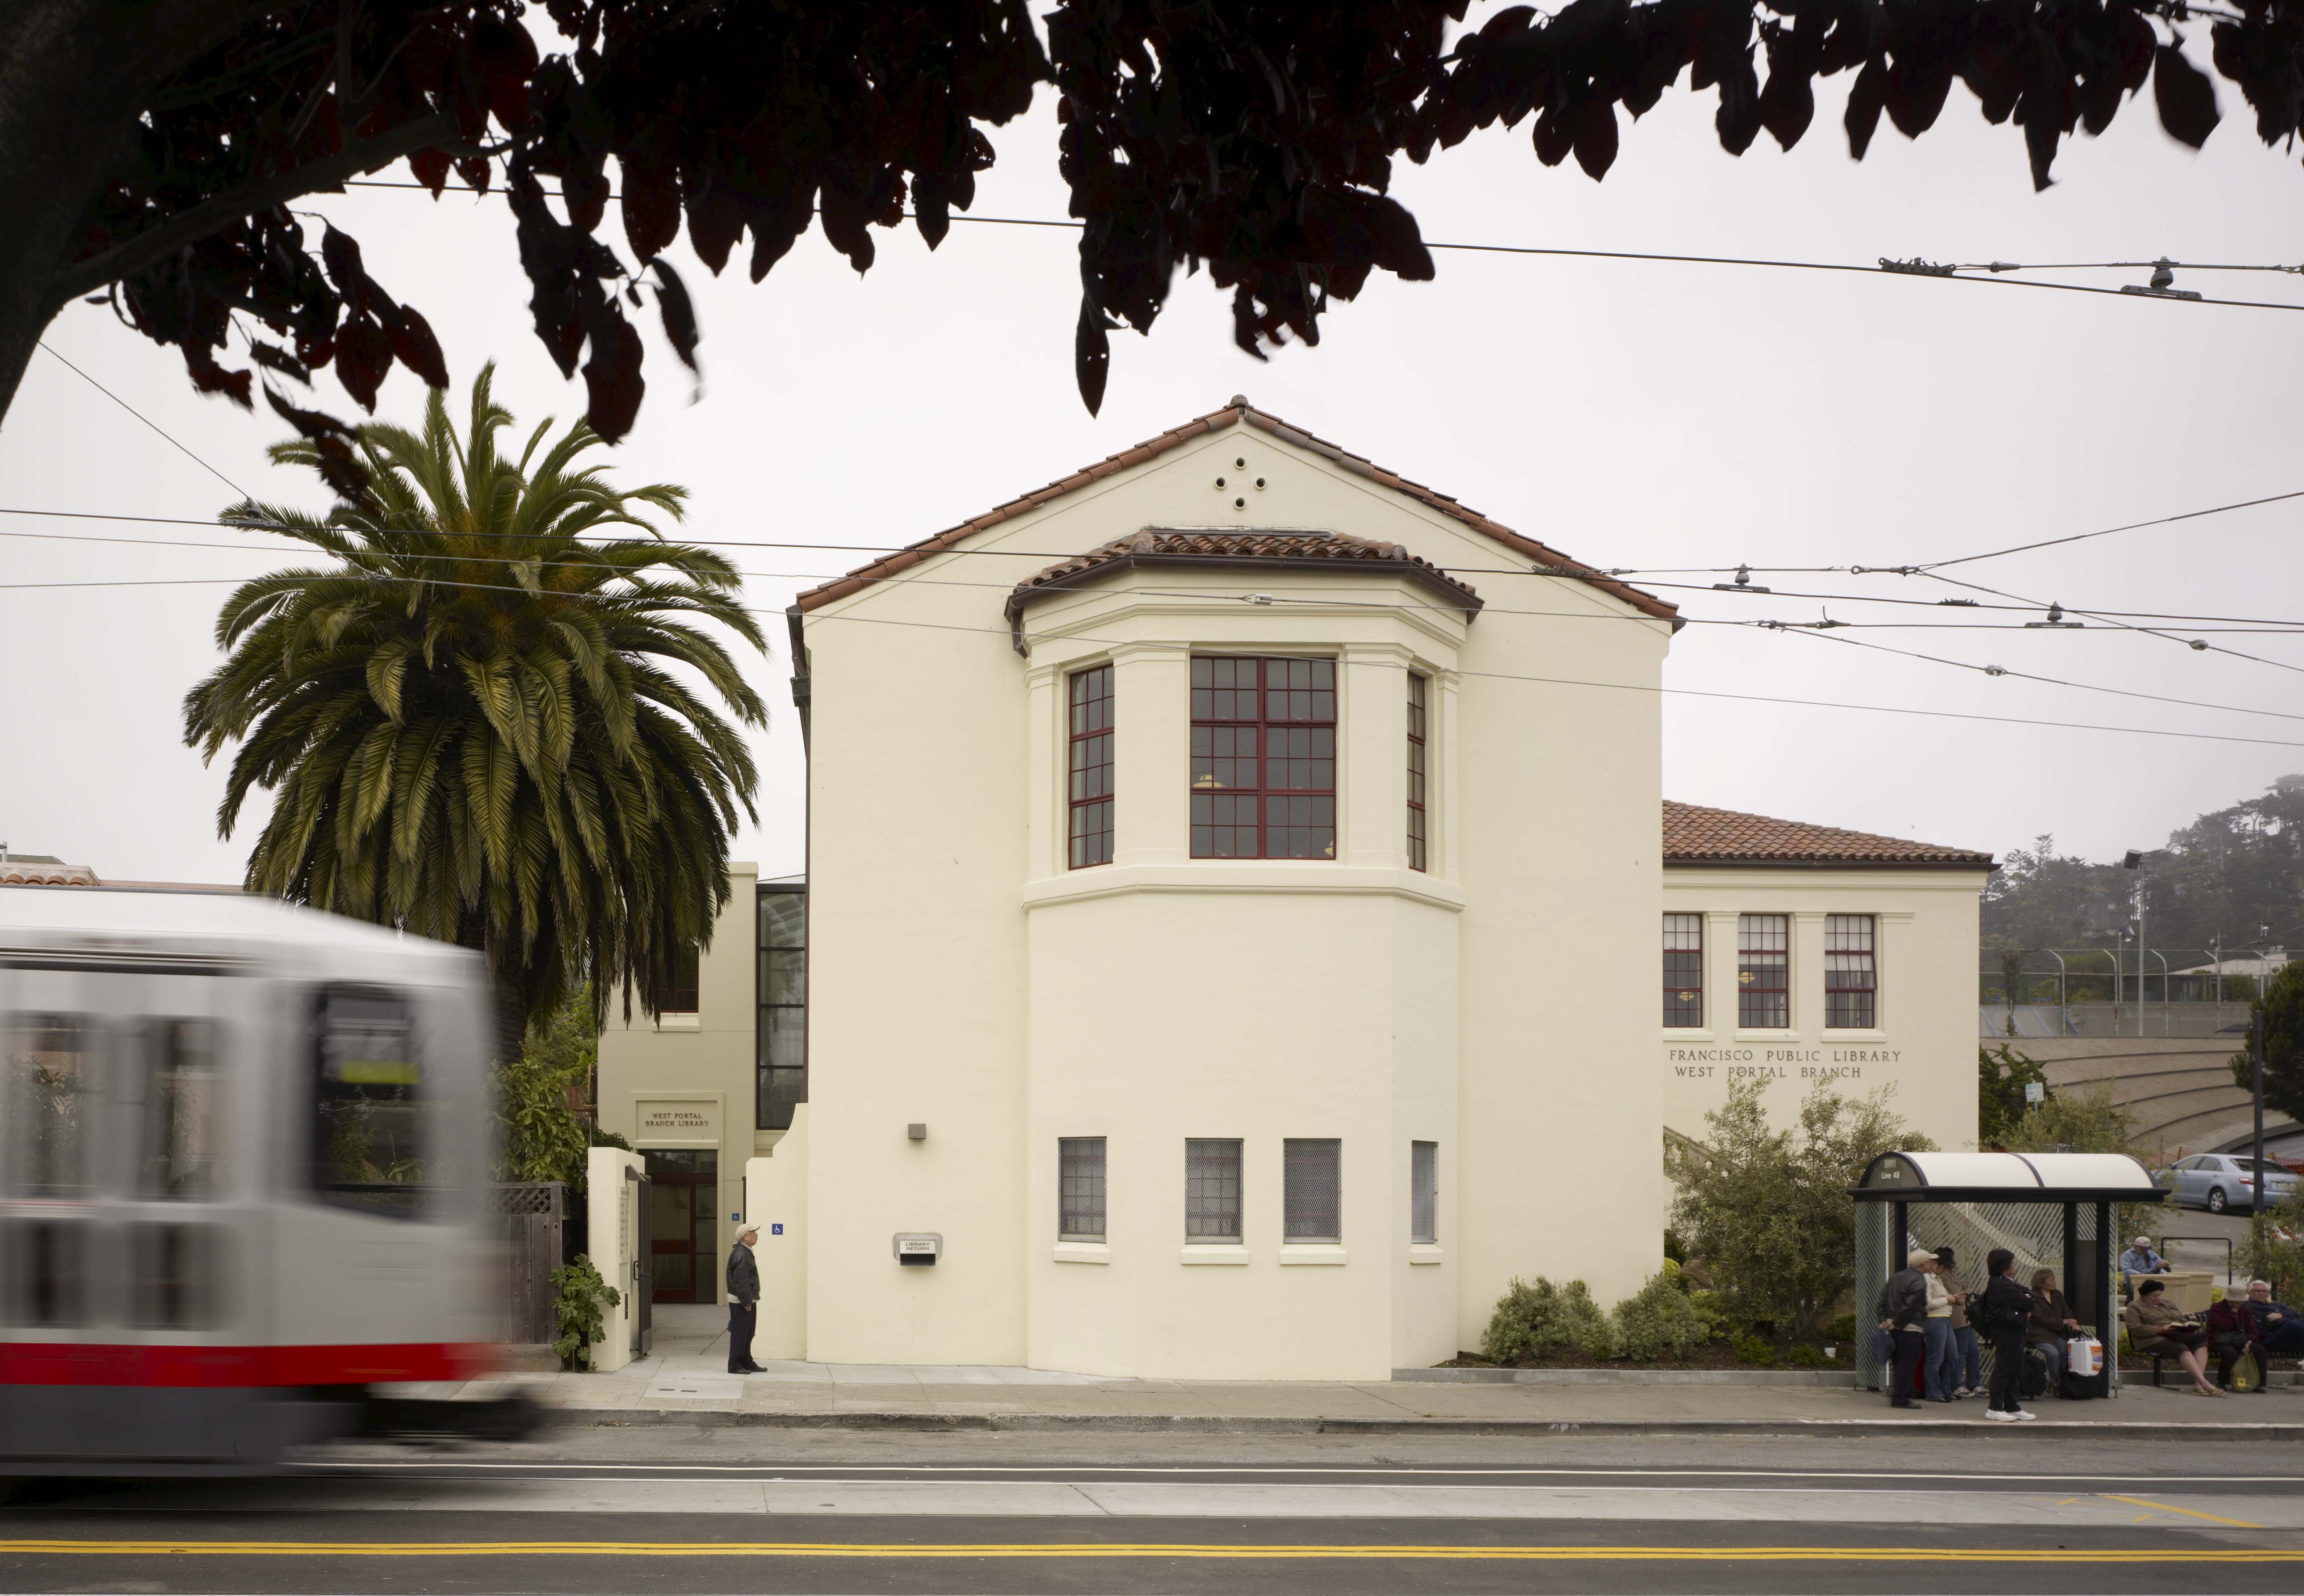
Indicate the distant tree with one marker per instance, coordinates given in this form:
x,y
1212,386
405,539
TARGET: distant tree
x,y
544,1136
1768,1212
480,728
2002,1075
2281,1012
151,151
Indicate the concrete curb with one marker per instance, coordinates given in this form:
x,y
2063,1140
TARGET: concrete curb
x,y
1842,1378
1210,1424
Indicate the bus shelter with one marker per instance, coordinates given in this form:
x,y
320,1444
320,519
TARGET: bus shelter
x,y
2059,1211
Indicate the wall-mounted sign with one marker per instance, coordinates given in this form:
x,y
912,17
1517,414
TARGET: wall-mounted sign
x,y
695,1123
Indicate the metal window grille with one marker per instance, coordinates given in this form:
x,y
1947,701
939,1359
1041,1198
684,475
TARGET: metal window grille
x,y
1211,1190
1079,1188
780,1039
1312,1195
1264,758
1416,828
1424,1192
1683,970
1763,972
1851,983
1089,771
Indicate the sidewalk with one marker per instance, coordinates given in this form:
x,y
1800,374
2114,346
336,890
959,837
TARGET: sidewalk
x,y
685,1381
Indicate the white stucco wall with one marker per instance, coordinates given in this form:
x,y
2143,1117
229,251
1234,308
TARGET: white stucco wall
x,y
961,978
1922,1050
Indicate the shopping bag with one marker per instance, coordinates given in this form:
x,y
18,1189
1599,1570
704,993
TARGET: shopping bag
x,y
2247,1371
2084,1357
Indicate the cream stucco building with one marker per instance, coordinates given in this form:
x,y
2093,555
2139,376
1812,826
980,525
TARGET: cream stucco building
x,y
1232,934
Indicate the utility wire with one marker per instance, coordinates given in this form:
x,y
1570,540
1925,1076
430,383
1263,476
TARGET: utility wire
x,y
2164,521
145,419
2125,626
1880,270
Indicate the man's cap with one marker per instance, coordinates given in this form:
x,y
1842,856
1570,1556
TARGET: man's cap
x,y
2142,1241
1918,1257
748,1230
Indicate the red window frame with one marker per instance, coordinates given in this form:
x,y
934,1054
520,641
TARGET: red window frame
x,y
1764,959
1683,971
677,988
1264,758
1089,767
1851,974
1418,833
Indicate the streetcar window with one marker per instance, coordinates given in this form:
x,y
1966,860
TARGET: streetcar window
x,y
178,1281
368,1150
43,1272
52,1105
182,1155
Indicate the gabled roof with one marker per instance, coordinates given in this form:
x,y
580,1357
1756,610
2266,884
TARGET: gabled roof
x,y
1220,548
1695,835
1238,413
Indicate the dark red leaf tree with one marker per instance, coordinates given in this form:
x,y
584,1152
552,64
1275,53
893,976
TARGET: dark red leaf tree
x,y
150,151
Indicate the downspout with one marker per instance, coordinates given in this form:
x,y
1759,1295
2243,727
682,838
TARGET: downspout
x,y
802,693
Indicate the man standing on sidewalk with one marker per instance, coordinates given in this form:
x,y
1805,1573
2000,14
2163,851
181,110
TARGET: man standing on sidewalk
x,y
743,1303
1902,1310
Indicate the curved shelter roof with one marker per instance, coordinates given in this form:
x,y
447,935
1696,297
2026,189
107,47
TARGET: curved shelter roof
x,y
2006,1178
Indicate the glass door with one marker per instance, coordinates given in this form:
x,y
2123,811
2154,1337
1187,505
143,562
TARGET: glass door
x,y
683,1196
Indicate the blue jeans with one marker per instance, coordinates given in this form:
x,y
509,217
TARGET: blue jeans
x,y
1937,1358
2057,1354
1963,1362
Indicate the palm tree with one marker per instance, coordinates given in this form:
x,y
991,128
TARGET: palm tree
x,y
476,725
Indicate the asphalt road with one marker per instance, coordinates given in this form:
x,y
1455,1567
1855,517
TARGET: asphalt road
x,y
679,1510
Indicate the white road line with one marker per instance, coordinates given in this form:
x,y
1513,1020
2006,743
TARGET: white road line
x,y
710,1470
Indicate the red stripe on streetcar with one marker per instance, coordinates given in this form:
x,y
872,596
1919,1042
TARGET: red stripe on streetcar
x,y
64,1363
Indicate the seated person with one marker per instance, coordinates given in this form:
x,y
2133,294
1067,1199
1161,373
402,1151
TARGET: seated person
x,y
2279,1328
2158,1327
2233,1328
2142,1260
2051,1324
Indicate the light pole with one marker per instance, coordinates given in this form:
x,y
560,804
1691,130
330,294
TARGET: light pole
x,y
2134,860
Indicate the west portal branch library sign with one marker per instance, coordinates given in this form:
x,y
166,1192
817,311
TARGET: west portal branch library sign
x,y
1192,857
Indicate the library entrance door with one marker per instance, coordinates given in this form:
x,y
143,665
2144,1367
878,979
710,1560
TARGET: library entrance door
x,y
683,1236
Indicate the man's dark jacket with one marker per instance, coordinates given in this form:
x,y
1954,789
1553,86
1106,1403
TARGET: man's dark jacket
x,y
1904,1299
743,1274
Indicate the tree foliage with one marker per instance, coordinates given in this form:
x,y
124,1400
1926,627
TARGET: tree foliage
x,y
2001,1073
1255,138
1768,1212
2281,1012
543,1137
2224,874
580,1306
477,725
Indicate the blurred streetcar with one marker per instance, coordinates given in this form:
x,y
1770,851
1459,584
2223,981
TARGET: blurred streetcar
x,y
244,1158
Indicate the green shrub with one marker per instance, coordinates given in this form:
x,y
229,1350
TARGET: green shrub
x,y
1842,1331
1659,1320
1717,1326
1752,1350
1531,1320
580,1307
1805,1357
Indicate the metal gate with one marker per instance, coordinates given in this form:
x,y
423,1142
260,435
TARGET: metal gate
x,y
535,1215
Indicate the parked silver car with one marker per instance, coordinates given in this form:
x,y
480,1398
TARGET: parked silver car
x,y
2216,1181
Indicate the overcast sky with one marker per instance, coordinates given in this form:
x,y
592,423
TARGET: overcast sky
x,y
1630,414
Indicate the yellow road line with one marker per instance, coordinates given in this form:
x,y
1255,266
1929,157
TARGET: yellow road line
x,y
753,1548
2138,1501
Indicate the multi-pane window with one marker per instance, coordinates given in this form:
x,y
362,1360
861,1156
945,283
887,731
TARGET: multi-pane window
x,y
1683,969
1089,767
1079,1188
1763,970
1312,1196
1851,983
676,982
1264,758
1418,833
1424,1192
1211,1190
781,1037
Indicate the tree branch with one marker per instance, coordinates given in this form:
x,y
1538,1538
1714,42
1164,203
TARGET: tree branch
x,y
147,249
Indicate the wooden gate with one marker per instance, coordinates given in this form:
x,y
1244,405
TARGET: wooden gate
x,y
534,1213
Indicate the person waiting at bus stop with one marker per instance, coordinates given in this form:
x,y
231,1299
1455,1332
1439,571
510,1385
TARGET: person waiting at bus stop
x,y
2003,1312
743,1303
2279,1328
1902,1310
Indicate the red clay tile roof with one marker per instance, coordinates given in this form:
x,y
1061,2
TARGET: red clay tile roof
x,y
44,870
1695,835
1238,413
1207,547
